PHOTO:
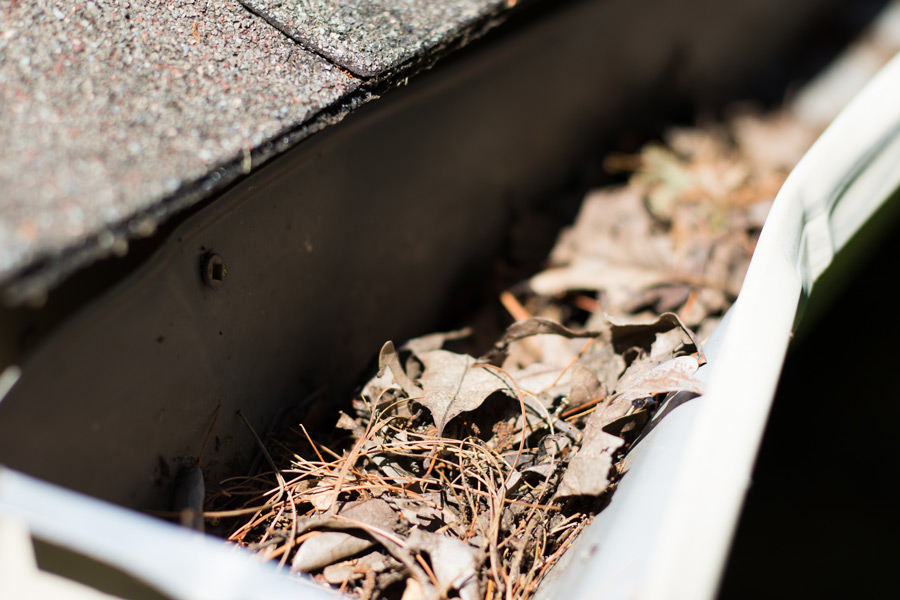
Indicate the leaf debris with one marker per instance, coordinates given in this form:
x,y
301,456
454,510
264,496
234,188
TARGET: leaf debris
x,y
466,476
458,475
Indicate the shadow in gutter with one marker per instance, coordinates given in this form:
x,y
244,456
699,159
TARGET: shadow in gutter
x,y
821,519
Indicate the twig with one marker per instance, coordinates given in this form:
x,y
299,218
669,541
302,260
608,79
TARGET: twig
x,y
513,306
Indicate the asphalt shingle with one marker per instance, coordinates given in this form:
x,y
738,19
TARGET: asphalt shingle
x,y
108,107
371,37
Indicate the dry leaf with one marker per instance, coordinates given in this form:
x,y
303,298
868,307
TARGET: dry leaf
x,y
330,547
633,334
424,510
675,375
389,359
435,341
453,561
622,280
413,590
589,470
539,377
338,574
585,386
614,225
530,327
452,384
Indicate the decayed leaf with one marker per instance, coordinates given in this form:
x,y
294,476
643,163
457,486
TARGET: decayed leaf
x,y
435,341
602,360
345,422
454,562
376,389
538,377
622,279
585,386
641,381
413,590
675,375
661,298
424,510
614,225
631,334
388,359
530,327
337,574
539,326
588,471
454,384
329,547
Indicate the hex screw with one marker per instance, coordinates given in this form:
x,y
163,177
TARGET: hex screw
x,y
213,270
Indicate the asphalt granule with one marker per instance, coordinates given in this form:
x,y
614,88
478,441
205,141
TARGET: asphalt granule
x,y
109,106
368,37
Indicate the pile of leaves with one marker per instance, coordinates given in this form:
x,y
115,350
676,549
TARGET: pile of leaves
x,y
470,476
679,235
452,475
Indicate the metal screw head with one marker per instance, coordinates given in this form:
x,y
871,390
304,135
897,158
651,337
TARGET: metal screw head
x,y
213,270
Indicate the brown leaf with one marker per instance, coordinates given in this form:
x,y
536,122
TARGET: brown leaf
x,y
329,547
772,143
435,341
614,225
424,510
538,377
630,334
621,279
454,384
389,359
530,327
588,471
585,386
455,563
339,573
640,381
676,375
345,422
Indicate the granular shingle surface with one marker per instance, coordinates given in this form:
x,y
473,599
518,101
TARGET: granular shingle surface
x,y
109,106
369,37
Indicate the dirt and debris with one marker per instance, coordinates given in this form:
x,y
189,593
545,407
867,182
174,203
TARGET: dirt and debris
x,y
456,475
679,235
462,476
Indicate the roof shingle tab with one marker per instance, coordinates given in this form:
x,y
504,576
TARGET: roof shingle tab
x,y
370,37
109,106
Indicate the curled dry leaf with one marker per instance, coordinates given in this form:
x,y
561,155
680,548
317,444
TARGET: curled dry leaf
x,y
435,341
454,384
585,386
389,359
329,547
455,563
531,327
623,280
588,473
675,375
635,334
